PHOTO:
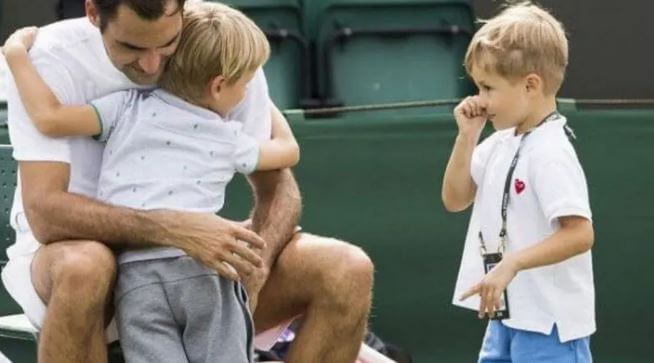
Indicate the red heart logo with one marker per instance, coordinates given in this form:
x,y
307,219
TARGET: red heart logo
x,y
519,186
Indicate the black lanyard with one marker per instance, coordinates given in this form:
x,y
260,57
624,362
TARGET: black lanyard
x,y
507,186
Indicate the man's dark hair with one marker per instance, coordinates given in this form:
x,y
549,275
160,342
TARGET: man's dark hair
x,y
146,9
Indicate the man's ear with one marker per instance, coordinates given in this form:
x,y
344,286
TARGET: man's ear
x,y
92,13
533,83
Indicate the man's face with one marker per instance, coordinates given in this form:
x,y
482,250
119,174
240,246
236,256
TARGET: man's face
x,y
139,47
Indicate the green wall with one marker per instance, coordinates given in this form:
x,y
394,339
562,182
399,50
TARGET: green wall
x,y
376,182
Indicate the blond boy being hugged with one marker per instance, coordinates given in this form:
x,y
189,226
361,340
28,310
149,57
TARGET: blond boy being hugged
x,y
526,261
175,148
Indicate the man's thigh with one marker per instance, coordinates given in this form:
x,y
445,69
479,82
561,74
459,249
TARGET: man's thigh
x,y
303,269
89,261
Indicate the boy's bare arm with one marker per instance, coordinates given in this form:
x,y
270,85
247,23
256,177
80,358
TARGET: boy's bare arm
x,y
458,187
575,237
282,151
54,214
48,114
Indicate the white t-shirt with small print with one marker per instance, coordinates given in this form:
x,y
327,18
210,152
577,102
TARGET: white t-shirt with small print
x,y
164,153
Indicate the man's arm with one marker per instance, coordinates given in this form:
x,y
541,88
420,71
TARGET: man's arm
x,y
277,210
50,116
277,203
54,214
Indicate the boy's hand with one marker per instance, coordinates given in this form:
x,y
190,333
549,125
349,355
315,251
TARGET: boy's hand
x,y
20,41
492,286
470,116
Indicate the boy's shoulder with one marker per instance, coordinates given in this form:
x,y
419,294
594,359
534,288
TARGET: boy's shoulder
x,y
551,138
552,144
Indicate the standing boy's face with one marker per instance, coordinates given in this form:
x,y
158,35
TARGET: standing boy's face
x,y
139,47
505,100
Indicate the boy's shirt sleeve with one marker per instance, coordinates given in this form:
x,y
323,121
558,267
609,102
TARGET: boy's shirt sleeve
x,y
560,184
29,144
254,111
110,110
245,156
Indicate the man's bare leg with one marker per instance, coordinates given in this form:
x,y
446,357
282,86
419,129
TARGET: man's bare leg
x,y
74,279
330,283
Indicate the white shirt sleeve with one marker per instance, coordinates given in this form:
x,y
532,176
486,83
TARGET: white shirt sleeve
x,y
28,142
560,184
480,158
246,151
254,111
111,109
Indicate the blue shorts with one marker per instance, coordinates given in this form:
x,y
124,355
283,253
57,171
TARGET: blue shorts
x,y
506,345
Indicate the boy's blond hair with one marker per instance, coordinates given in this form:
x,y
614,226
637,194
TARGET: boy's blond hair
x,y
522,39
216,40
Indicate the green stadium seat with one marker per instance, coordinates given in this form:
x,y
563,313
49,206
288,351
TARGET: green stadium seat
x,y
17,336
287,69
379,51
7,187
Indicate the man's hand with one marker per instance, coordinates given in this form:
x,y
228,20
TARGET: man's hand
x,y
212,240
19,41
492,286
254,283
470,116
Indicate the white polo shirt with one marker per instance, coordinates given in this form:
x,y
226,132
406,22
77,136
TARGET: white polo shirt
x,y
548,183
70,56
165,153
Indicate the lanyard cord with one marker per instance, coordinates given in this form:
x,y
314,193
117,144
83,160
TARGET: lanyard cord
x,y
507,187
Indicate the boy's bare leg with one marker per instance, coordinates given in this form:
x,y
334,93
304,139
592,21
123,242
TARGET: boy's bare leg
x,y
74,279
330,283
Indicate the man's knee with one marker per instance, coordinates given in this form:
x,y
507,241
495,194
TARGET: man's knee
x,y
352,271
343,272
84,270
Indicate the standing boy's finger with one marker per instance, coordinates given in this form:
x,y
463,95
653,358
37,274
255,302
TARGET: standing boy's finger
x,y
498,301
475,104
470,110
490,302
472,291
482,308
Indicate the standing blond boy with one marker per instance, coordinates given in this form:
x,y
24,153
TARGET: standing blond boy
x,y
531,223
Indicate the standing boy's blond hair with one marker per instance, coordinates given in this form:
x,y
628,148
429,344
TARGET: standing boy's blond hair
x,y
522,39
216,40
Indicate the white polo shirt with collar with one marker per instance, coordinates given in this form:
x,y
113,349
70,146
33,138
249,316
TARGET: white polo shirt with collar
x,y
548,183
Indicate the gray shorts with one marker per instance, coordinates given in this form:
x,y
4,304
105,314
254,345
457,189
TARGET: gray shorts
x,y
177,310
